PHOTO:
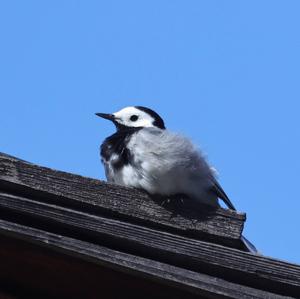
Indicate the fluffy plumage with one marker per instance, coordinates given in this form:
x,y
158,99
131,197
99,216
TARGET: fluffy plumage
x,y
144,155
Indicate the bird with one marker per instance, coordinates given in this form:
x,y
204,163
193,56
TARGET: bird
x,y
143,154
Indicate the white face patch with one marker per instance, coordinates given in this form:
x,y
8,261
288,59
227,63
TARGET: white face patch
x,y
133,117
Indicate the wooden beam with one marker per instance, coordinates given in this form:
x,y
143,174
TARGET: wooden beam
x,y
199,256
160,280
135,206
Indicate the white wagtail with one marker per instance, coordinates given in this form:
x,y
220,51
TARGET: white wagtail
x,y
144,155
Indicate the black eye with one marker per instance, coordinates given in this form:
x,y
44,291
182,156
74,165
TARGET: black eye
x,y
134,117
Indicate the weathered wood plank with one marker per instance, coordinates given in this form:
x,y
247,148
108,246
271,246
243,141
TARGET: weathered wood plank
x,y
31,271
184,280
221,226
215,260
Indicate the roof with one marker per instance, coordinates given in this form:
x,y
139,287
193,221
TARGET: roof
x,y
173,249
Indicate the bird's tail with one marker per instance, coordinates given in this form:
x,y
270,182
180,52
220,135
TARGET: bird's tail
x,y
251,248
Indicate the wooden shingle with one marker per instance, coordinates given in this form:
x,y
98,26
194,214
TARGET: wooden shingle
x,y
96,239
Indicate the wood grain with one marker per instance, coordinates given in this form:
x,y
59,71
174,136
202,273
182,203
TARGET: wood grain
x,y
97,197
215,260
58,269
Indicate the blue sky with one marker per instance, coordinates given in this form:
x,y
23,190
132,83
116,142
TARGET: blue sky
x,y
224,73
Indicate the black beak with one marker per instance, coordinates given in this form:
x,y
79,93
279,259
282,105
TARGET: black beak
x,y
106,116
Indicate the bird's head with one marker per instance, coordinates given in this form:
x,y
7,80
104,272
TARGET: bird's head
x,y
134,117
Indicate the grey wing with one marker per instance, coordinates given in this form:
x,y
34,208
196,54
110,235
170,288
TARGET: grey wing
x,y
218,190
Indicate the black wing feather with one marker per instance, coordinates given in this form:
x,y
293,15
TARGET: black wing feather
x,y
218,190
